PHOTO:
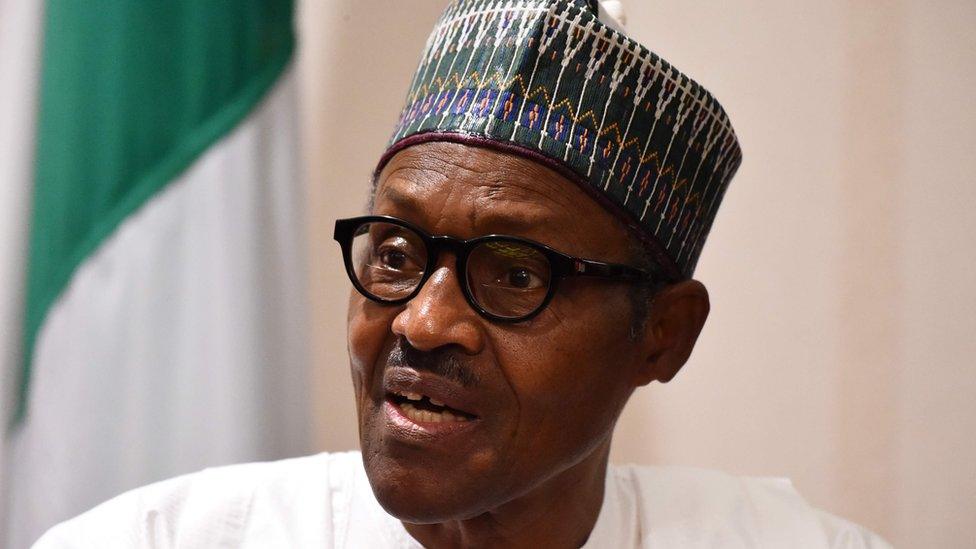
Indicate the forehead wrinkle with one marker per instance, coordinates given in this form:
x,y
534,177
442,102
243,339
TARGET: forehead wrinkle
x,y
511,199
521,203
503,173
412,176
414,173
526,176
401,200
493,215
511,214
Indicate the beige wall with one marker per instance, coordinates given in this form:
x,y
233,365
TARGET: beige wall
x,y
841,266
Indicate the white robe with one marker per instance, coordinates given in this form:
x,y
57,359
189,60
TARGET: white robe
x,y
325,501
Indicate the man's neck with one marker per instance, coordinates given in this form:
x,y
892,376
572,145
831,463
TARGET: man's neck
x,y
561,512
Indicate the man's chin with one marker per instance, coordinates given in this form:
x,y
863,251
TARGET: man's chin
x,y
407,507
420,496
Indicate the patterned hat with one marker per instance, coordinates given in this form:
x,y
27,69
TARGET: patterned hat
x,y
549,80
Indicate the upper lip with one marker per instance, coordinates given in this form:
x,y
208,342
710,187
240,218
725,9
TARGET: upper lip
x,y
408,380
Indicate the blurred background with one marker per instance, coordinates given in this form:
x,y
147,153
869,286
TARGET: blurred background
x,y
839,352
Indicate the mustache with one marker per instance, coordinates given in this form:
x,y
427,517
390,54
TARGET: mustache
x,y
442,361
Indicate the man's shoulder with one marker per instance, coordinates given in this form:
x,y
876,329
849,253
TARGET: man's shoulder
x,y
212,505
713,501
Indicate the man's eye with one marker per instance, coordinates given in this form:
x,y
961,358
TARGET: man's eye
x,y
397,254
394,259
522,278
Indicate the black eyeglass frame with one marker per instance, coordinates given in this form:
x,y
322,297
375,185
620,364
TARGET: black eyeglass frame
x,y
562,265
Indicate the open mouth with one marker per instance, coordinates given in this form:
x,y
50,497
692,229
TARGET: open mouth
x,y
423,409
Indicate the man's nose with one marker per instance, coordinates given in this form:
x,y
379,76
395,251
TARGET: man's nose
x,y
440,315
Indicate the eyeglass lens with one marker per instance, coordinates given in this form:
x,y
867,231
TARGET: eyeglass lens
x,y
505,278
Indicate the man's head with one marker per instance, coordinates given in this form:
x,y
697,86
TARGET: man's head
x,y
533,119
542,395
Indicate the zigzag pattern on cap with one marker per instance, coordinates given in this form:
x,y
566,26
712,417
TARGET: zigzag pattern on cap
x,y
548,79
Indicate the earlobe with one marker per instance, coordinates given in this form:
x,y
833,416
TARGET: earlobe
x,y
676,318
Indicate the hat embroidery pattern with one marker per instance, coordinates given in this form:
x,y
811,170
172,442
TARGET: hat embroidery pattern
x,y
549,79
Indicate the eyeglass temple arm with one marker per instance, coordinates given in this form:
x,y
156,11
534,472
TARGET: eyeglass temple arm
x,y
586,267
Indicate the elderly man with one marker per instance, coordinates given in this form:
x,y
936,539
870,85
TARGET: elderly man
x,y
525,266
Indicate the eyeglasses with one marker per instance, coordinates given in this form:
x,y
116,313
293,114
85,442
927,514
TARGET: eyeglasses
x,y
504,278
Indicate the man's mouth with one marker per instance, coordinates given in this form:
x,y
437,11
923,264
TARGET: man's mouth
x,y
421,408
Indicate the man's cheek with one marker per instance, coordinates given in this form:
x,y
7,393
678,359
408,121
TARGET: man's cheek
x,y
555,377
366,337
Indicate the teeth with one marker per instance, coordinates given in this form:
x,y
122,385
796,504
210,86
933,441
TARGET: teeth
x,y
436,402
426,416
412,396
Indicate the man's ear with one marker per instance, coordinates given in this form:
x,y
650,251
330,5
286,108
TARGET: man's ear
x,y
675,318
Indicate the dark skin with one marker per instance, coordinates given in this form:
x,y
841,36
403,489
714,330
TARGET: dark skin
x,y
529,470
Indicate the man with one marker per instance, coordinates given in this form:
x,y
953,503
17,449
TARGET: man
x,y
526,265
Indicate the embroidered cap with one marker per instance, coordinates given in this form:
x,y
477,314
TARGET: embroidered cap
x,y
549,80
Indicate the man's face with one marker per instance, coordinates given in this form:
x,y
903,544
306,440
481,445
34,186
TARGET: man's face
x,y
539,396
